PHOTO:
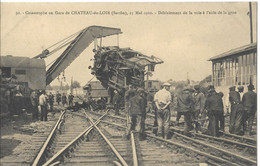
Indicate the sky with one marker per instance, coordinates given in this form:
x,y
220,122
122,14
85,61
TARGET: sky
x,y
185,42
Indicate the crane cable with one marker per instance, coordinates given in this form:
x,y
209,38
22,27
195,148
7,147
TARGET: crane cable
x,y
64,42
65,39
61,45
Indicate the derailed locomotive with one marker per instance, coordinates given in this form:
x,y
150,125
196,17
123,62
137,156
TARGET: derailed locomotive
x,y
116,68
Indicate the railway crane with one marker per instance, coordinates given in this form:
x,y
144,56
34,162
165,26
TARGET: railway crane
x,y
114,67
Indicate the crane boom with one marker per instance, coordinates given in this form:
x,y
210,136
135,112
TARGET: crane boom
x,y
76,47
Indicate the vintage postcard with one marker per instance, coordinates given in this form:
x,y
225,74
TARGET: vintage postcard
x,y
128,83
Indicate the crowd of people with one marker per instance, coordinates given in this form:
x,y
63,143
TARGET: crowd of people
x,y
199,109
196,107
209,108
43,103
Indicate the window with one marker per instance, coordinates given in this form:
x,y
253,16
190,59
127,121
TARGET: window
x,y
20,72
150,84
6,71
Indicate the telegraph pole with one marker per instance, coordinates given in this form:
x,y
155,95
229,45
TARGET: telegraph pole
x,y
251,26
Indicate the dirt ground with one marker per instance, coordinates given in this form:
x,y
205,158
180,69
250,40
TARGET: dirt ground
x,y
17,132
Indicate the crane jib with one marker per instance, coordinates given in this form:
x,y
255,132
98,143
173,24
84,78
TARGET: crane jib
x,y
76,47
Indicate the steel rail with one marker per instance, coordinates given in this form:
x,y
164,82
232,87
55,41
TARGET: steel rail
x,y
66,147
181,146
43,150
203,135
121,159
194,150
217,139
135,159
242,138
219,149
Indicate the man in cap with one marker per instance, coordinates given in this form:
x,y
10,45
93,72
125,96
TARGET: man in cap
x,y
214,107
137,112
199,104
162,101
236,112
249,102
185,105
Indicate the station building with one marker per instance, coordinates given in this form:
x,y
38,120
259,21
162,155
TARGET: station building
x,y
237,67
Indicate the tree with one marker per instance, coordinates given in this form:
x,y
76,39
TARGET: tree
x,y
75,85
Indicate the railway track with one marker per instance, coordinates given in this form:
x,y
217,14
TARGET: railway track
x,y
67,127
26,152
241,153
146,152
91,138
100,144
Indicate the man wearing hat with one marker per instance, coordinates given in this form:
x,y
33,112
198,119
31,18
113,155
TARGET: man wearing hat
x,y
199,103
214,107
185,105
236,114
137,105
162,101
249,102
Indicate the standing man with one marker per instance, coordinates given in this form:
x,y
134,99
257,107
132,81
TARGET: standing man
x,y
236,114
241,92
199,104
71,97
249,102
128,95
35,102
162,101
116,102
43,104
137,112
222,116
51,101
185,105
214,106
64,99
151,108
149,98
58,97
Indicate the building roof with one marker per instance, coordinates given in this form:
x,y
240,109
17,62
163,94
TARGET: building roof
x,y
235,51
94,85
21,62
